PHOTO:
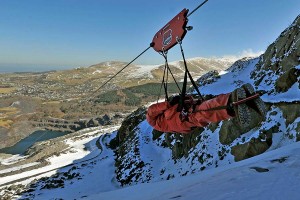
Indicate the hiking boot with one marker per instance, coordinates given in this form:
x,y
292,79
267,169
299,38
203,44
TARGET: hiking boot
x,y
256,104
241,111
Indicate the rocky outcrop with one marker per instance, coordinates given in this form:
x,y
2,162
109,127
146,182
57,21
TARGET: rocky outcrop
x,y
280,60
208,78
129,124
231,130
287,79
278,70
55,124
181,144
126,144
291,111
247,150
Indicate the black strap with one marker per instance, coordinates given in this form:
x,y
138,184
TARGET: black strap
x,y
183,92
195,85
163,85
164,82
186,74
169,69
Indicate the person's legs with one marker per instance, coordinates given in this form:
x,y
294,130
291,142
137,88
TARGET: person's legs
x,y
212,110
221,108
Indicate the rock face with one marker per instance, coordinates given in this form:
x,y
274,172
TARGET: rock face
x,y
230,130
287,79
208,78
281,59
28,126
54,124
277,68
291,111
247,150
126,145
129,124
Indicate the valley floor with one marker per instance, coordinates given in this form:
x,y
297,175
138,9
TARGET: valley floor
x,y
85,157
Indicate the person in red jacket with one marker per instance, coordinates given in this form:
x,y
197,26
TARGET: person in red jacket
x,y
164,116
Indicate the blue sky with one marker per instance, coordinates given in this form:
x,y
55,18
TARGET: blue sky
x,y
72,33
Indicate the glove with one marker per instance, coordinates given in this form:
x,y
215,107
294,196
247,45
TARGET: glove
x,y
174,99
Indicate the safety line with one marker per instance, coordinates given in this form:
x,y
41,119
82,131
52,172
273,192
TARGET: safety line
x,y
197,8
121,69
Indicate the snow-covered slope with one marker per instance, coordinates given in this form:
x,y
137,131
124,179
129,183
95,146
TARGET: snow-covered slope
x,y
273,175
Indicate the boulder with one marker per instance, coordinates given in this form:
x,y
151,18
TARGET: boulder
x,y
130,123
231,130
291,111
298,132
247,150
285,81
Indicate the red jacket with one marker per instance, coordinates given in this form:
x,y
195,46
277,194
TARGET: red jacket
x,y
164,117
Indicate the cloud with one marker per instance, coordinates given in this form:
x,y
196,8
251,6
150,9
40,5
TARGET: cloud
x,y
250,53
244,53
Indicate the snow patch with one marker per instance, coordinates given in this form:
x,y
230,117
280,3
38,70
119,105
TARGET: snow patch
x,y
97,72
18,168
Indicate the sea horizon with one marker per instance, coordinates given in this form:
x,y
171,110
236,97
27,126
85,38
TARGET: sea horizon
x,y
8,68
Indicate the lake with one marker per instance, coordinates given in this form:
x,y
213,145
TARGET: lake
x,y
37,136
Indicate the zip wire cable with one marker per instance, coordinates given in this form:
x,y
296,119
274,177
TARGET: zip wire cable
x,y
122,69
197,8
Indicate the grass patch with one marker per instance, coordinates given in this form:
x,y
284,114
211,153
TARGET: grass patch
x,y
109,97
152,89
7,90
8,110
131,98
6,123
135,96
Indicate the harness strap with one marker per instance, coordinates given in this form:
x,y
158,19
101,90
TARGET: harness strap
x,y
195,85
183,92
164,82
186,74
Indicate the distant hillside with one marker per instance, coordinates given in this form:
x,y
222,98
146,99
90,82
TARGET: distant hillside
x,y
141,74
